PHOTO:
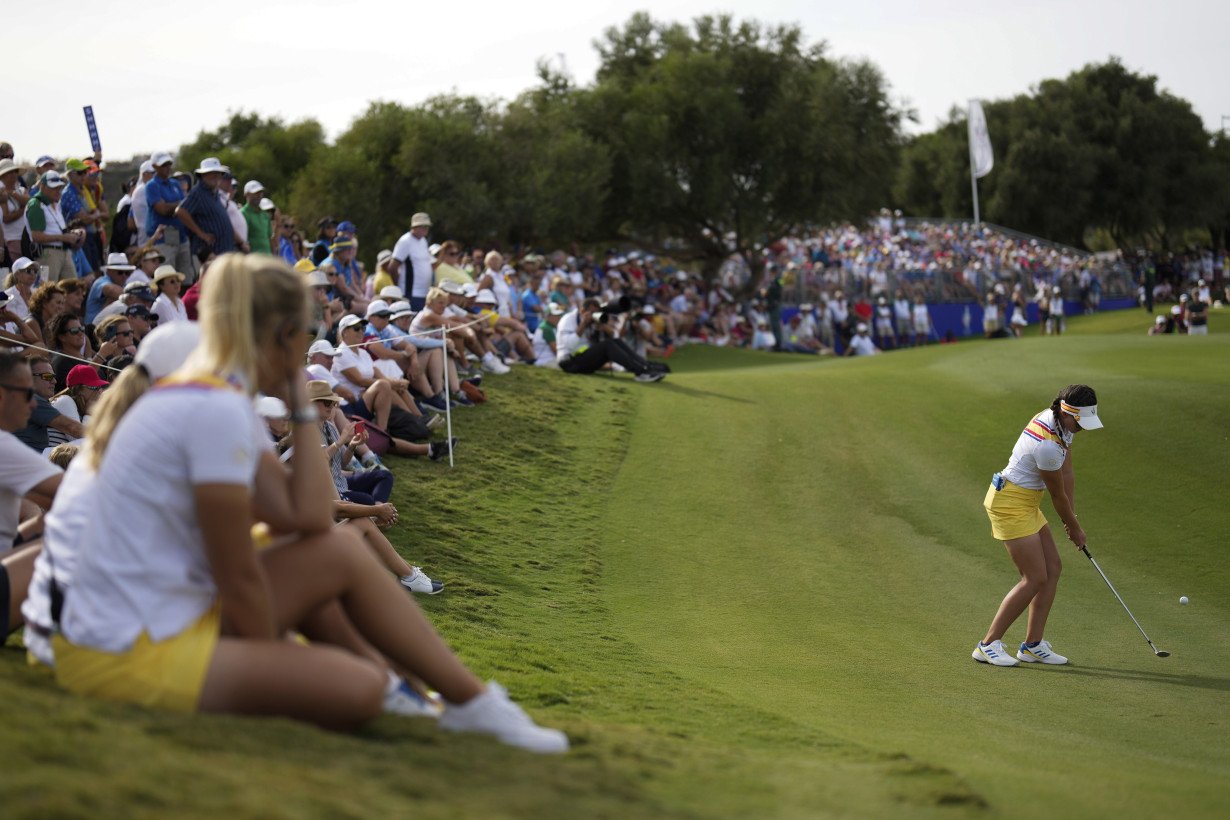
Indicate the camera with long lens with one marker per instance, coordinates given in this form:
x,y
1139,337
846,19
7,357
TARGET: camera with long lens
x,y
613,308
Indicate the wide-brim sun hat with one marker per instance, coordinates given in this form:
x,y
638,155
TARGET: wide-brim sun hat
x,y
164,272
318,390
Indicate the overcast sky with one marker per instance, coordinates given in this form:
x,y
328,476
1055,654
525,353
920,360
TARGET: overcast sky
x,y
157,73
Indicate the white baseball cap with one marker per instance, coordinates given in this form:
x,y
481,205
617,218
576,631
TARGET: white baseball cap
x,y
166,348
391,293
322,346
401,309
378,306
252,187
147,167
160,158
271,407
349,320
267,204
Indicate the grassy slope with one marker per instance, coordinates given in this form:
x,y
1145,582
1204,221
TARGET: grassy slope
x,y
836,567
710,583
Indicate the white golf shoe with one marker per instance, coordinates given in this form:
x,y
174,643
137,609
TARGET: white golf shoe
x,y
995,654
1042,653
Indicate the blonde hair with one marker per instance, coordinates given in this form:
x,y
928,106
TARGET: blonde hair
x,y
434,294
63,454
246,297
115,402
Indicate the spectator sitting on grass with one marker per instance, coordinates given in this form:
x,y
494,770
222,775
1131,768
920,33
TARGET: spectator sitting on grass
x,y
429,321
355,502
395,356
860,343
544,339
510,338
56,564
159,639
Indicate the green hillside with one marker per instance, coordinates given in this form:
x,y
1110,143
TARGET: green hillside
x,y
753,590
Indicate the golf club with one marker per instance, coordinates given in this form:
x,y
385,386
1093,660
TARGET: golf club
x,y
1161,653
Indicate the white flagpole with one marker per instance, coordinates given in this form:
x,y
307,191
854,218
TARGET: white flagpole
x,y
448,400
973,178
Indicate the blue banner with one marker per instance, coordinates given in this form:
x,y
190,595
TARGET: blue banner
x,y
93,129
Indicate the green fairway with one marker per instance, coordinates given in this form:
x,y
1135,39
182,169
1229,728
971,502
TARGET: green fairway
x,y
752,590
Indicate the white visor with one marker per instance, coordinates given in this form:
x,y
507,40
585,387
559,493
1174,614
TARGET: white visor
x,y
1086,417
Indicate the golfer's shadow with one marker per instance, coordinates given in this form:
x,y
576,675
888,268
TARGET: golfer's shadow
x,y
1197,681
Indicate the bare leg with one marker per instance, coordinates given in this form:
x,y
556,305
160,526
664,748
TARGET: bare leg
x,y
379,399
1028,556
19,564
432,365
1040,606
380,546
332,567
401,447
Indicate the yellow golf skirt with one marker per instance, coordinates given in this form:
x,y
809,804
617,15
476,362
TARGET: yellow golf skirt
x,y
1015,512
167,675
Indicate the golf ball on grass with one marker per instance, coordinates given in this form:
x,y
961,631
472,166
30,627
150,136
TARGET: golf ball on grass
x,y
1183,600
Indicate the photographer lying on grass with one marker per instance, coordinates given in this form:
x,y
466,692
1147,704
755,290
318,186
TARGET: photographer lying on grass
x,y
587,339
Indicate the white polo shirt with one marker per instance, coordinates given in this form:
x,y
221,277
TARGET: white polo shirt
x,y
1037,448
417,274
142,565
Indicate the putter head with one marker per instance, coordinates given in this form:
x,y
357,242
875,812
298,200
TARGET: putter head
x,y
1161,653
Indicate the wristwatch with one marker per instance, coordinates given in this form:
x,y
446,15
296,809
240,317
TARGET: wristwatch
x,y
304,415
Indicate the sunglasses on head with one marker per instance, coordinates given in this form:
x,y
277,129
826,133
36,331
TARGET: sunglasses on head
x,y
29,391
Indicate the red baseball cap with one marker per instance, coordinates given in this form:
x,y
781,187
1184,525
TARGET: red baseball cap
x,y
85,376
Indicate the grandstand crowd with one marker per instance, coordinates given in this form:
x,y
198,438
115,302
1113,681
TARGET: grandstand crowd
x,y
188,368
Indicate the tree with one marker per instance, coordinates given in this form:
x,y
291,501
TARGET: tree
x,y
727,135
257,148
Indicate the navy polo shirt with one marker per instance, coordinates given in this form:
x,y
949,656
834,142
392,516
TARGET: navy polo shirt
x,y
210,216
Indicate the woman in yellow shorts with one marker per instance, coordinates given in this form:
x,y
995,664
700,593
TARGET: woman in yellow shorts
x,y
1041,459
172,608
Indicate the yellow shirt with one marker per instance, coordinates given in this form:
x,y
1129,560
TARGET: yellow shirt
x,y
382,281
445,271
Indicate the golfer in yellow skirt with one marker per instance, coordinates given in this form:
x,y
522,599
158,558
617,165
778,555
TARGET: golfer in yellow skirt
x,y
1041,460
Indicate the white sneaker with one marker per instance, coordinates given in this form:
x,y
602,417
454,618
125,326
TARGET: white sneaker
x,y
1042,653
401,699
492,713
493,365
994,654
417,581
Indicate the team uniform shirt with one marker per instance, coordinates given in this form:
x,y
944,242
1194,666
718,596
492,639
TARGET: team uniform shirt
x,y
357,358
143,566
414,254
70,516
21,470
1038,448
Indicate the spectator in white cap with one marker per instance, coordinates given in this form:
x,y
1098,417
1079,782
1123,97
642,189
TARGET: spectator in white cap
x,y
355,370
544,337
50,230
412,267
168,307
326,309
260,223
860,343
13,201
21,287
108,287
164,193
138,211
66,521
134,293
391,294
14,333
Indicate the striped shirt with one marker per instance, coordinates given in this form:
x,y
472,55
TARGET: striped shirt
x,y
1039,447
210,216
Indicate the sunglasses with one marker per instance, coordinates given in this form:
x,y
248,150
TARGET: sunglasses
x,y
29,391
75,330
47,377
